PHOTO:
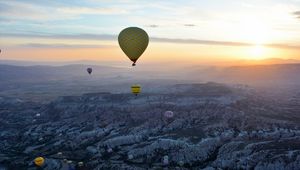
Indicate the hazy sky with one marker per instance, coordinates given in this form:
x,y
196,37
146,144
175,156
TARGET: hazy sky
x,y
195,31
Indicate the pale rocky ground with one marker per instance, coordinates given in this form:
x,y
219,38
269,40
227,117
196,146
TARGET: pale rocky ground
x,y
214,127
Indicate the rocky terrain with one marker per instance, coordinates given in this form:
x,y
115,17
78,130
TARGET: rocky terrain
x,y
214,126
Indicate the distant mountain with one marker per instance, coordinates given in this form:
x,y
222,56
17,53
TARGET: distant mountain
x,y
269,75
268,61
45,73
280,61
36,82
259,75
56,63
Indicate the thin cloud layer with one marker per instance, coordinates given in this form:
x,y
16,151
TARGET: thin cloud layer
x,y
297,14
189,25
96,11
65,36
196,41
152,26
18,10
109,37
63,46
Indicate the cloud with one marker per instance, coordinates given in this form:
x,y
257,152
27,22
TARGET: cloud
x,y
197,41
189,25
297,14
152,26
95,11
65,36
38,45
110,37
18,10
23,11
285,46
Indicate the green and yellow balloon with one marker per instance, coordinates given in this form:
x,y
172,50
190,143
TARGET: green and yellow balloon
x,y
133,41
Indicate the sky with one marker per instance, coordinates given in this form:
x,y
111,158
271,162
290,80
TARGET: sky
x,y
211,31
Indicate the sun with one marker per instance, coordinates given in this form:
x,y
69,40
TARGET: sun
x,y
257,52
257,34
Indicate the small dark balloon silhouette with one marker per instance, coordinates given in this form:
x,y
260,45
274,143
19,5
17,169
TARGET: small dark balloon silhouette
x,y
89,70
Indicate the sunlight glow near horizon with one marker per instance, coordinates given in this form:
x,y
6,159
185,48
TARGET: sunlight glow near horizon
x,y
258,52
49,30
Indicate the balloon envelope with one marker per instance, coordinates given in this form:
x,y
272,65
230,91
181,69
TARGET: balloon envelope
x,y
80,164
168,114
89,70
109,150
136,89
133,41
166,160
181,163
39,161
130,156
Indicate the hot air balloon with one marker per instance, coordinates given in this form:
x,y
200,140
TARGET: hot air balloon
x,y
166,160
89,70
168,114
133,41
39,161
130,156
136,89
109,150
80,164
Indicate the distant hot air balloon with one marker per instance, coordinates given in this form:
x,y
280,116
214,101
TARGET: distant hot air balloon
x,y
133,41
80,164
166,160
130,156
89,70
109,150
39,161
180,163
168,114
136,89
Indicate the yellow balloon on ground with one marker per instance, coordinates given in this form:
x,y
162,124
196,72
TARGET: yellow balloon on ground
x,y
39,161
133,41
136,89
